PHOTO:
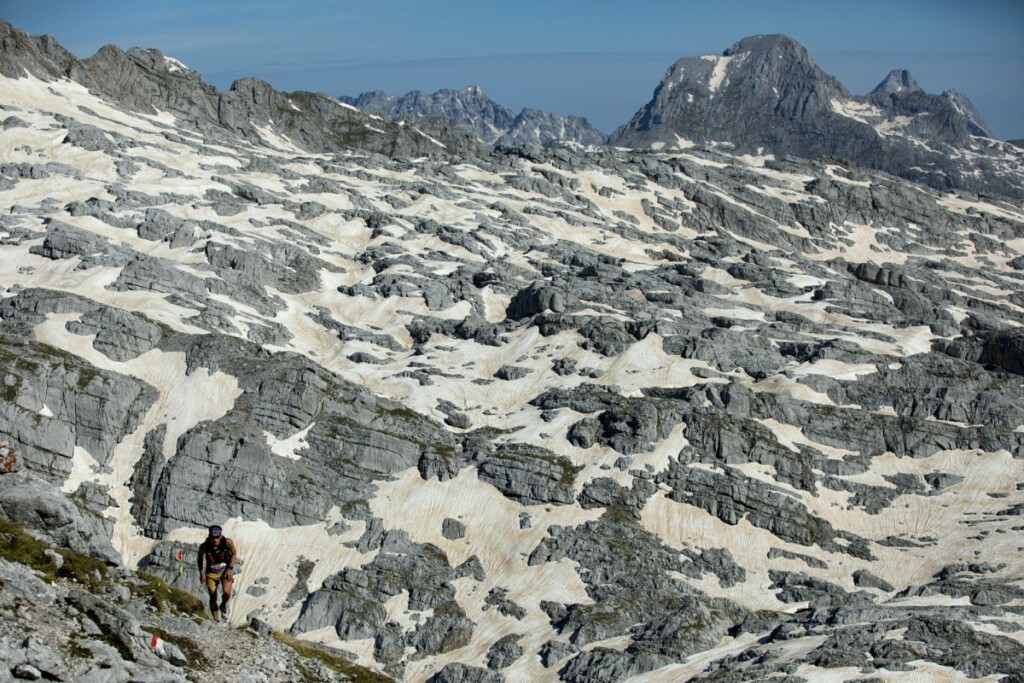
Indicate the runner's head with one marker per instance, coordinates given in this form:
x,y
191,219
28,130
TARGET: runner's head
x,y
216,534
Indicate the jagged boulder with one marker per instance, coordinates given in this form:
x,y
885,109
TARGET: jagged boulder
x,y
40,507
538,297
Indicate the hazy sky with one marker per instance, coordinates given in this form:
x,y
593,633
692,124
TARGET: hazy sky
x,y
596,58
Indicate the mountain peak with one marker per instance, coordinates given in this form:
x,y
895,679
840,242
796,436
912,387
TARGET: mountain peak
x,y
777,44
766,95
898,80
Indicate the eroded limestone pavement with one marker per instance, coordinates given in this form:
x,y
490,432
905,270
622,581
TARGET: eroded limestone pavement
x,y
533,414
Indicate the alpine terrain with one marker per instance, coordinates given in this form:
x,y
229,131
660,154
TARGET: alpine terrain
x,y
743,403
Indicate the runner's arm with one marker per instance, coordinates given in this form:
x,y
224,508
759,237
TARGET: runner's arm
x,y
234,556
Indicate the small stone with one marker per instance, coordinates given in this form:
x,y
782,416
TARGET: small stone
x,y
56,557
453,529
511,372
262,628
27,672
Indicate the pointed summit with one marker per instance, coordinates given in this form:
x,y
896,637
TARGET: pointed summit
x,y
898,80
975,124
763,92
766,95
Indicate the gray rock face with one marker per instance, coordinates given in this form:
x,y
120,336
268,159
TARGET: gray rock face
x,y
64,241
453,529
120,335
975,124
766,94
462,673
766,64
533,126
41,56
538,297
54,401
866,579
224,466
352,602
554,651
511,372
529,474
498,598
504,652
41,508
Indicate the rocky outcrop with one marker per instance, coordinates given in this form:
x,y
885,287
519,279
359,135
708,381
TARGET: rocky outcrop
x,y
223,466
352,602
55,403
38,506
529,475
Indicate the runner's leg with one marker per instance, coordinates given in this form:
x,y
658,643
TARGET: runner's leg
x,y
226,584
213,599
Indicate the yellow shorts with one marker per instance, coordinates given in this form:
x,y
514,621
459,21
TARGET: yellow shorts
x,y
212,579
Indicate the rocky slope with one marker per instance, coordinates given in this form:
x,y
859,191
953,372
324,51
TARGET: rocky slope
x,y
151,82
538,415
492,122
73,615
765,95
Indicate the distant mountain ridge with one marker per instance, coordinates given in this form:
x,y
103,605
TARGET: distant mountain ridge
x,y
488,119
494,123
899,82
766,95
147,80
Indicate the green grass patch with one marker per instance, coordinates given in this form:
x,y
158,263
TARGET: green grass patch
x,y
74,649
307,674
358,674
166,598
16,545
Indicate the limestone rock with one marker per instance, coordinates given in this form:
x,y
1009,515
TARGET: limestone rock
x,y
40,507
462,673
453,529
530,475
504,652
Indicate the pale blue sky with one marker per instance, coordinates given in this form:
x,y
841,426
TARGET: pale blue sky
x,y
596,58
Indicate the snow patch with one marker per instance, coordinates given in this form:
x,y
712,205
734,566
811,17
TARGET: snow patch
x,y
287,448
865,112
173,65
718,73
